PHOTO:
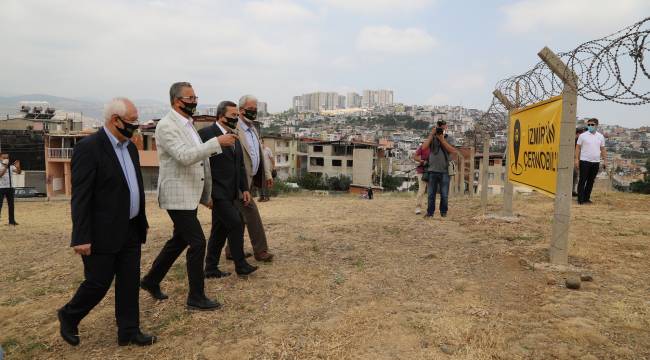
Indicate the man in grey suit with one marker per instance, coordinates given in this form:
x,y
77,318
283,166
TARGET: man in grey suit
x,y
258,172
184,181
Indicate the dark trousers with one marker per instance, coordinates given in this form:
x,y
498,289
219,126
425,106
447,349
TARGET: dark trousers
x,y
226,223
264,193
187,234
588,172
9,194
438,180
99,271
253,221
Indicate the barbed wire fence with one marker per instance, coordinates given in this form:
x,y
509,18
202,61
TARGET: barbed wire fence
x,y
613,68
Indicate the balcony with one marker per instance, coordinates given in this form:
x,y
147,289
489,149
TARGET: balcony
x,y
59,153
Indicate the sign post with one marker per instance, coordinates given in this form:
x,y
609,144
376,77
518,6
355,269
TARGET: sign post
x,y
508,188
559,252
484,171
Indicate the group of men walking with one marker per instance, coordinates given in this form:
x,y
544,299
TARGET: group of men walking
x,y
215,167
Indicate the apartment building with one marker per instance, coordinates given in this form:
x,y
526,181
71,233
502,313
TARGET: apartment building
x,y
335,158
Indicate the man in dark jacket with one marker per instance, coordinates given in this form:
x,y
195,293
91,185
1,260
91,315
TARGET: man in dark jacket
x,y
229,181
109,224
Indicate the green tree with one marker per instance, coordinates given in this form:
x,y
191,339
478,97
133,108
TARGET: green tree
x,y
311,181
642,186
339,183
390,183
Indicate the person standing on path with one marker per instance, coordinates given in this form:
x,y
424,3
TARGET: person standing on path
x,y
7,184
590,151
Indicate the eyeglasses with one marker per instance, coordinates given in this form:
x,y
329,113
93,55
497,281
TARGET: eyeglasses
x,y
591,124
191,98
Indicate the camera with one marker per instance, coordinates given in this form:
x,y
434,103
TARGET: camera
x,y
439,131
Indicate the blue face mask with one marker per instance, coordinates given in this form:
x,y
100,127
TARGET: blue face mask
x,y
592,129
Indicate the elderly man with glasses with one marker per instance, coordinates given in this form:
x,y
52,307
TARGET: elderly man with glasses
x,y
109,224
184,181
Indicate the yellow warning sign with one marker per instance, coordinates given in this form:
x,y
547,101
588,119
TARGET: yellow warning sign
x,y
533,145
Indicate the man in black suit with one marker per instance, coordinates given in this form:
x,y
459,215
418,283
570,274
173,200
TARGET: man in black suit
x,y
228,182
109,224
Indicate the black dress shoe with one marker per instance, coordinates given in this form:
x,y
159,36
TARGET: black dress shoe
x,y
204,304
153,290
69,332
246,255
216,274
243,268
138,339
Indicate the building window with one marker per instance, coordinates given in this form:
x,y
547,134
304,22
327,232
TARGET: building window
x,y
503,177
318,148
491,162
317,161
350,163
491,176
336,163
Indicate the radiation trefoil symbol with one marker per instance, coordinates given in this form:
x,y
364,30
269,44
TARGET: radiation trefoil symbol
x,y
516,167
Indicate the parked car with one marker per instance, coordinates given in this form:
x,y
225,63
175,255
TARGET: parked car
x,y
27,192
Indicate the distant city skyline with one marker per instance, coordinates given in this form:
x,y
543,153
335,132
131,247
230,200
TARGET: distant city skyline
x,y
431,52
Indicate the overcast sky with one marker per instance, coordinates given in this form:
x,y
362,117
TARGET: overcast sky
x,y
427,51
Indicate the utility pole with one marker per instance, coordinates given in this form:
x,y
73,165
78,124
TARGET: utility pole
x,y
484,171
508,188
559,251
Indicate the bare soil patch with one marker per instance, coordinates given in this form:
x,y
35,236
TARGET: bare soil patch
x,y
355,279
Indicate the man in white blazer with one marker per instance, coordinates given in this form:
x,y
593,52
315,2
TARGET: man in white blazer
x,y
184,181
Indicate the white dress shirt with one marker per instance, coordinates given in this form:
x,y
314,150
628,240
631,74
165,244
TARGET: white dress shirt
x,y
189,125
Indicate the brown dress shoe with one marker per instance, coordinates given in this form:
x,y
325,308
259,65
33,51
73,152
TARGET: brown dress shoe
x,y
264,256
246,255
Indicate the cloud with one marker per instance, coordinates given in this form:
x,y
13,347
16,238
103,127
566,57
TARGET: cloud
x,y
378,6
385,39
600,16
281,11
468,81
439,99
101,49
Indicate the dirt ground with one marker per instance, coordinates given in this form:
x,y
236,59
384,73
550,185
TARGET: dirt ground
x,y
355,279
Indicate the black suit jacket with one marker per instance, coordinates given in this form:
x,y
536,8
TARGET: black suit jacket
x,y
228,172
100,195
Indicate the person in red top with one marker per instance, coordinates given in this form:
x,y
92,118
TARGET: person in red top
x,y
421,156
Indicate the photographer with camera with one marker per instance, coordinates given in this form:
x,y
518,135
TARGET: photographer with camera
x,y
441,147
7,184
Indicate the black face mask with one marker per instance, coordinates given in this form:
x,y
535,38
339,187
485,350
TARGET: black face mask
x,y
128,129
188,108
250,114
231,122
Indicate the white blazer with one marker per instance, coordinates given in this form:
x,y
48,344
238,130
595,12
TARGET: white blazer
x,y
184,178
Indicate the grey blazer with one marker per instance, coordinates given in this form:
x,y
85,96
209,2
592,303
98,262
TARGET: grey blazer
x,y
248,163
184,178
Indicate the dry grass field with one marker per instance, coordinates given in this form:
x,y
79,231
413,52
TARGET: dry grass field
x,y
356,279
